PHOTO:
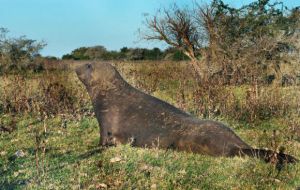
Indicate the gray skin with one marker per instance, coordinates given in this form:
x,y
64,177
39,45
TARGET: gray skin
x,y
127,115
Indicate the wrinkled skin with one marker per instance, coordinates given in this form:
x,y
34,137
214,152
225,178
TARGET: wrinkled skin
x,y
127,115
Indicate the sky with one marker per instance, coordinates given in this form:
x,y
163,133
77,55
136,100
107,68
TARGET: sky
x,y
69,24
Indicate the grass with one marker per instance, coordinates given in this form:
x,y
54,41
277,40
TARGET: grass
x,y
74,161
66,145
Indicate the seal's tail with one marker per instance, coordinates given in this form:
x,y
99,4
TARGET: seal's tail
x,y
269,156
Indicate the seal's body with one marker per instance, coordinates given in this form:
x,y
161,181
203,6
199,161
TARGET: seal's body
x,y
127,115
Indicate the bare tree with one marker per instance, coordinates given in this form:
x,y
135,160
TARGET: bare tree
x,y
177,27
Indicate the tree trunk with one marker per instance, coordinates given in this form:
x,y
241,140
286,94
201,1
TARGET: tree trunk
x,y
197,69
194,63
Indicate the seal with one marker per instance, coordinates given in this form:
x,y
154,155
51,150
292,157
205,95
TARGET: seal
x,y
128,115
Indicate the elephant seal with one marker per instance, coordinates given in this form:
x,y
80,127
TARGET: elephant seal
x,y
126,114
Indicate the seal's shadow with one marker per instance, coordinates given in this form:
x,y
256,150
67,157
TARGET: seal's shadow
x,y
90,153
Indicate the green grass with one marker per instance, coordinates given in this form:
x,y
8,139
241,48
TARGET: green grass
x,y
74,161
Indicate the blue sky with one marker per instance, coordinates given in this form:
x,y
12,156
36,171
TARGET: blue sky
x,y
69,24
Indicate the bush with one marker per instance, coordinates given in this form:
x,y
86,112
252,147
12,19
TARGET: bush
x,y
49,94
18,54
243,103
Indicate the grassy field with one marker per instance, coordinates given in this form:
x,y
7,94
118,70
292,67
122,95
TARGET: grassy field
x,y
58,149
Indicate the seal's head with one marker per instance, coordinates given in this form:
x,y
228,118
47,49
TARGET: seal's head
x,y
91,74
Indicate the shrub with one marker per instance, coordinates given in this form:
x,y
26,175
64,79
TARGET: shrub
x,y
50,94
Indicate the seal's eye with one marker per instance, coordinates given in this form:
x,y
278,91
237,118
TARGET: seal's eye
x,y
89,66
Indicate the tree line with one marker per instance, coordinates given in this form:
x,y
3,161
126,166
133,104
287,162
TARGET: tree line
x,y
21,54
125,53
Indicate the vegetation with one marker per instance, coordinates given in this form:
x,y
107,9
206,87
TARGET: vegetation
x,y
49,135
73,161
18,54
241,43
101,53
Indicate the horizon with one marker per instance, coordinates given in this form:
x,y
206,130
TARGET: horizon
x,y
65,26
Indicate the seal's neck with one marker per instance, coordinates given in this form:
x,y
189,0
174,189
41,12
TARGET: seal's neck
x,y
101,92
